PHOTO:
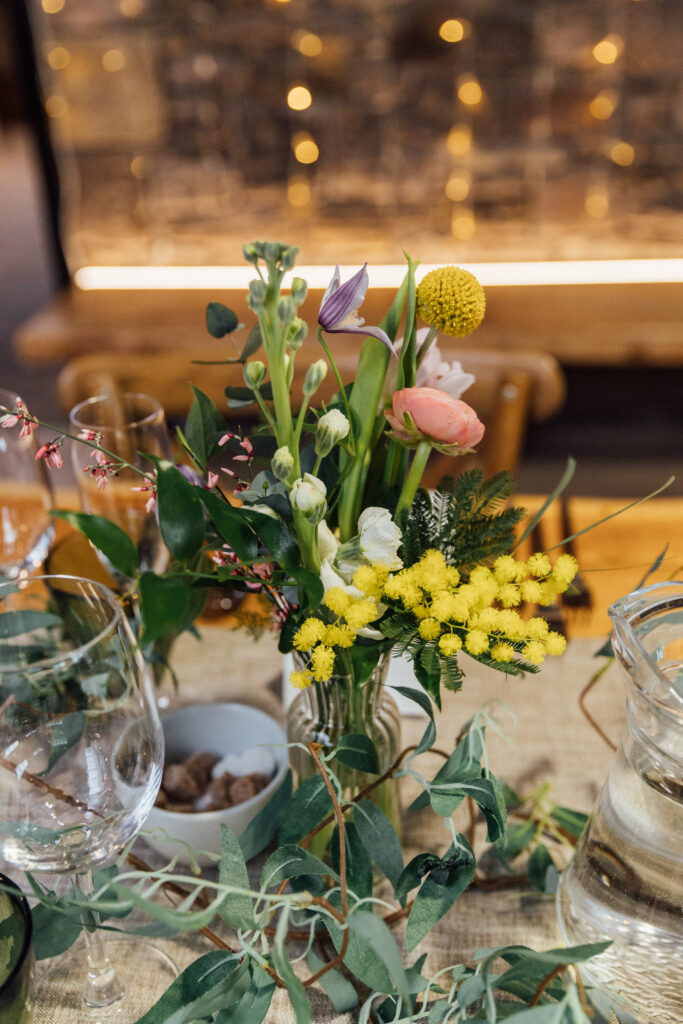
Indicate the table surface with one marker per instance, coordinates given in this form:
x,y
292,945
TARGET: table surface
x,y
550,740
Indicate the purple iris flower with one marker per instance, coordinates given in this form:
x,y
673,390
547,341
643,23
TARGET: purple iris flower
x,y
339,308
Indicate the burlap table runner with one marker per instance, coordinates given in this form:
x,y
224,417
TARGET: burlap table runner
x,y
549,741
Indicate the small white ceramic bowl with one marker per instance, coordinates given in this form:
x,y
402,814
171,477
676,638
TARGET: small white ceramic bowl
x,y
221,729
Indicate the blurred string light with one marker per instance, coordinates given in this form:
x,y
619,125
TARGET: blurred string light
x,y
305,148
463,225
298,192
299,97
130,8
458,186
459,140
454,30
603,105
307,43
596,202
469,91
609,49
113,60
56,106
59,58
52,6
621,153
139,167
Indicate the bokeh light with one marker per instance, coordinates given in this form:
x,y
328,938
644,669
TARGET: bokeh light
x,y
113,60
130,8
59,58
470,92
452,30
299,97
307,43
459,140
463,225
56,106
596,203
52,6
305,148
458,186
604,104
622,153
608,49
298,192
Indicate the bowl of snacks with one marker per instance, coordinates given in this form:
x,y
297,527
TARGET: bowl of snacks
x,y
223,763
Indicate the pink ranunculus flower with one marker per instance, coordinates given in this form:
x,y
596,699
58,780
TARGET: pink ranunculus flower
x,y
420,414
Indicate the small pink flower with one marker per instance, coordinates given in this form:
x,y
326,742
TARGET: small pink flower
x,y
229,472
248,447
427,414
19,415
226,437
100,458
151,501
51,454
211,480
88,435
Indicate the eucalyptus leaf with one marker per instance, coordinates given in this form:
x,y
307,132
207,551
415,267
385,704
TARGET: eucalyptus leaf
x,y
282,964
434,899
200,990
358,863
237,909
379,838
309,804
265,824
254,1004
289,862
106,536
571,821
540,862
26,620
336,987
53,931
356,750
64,732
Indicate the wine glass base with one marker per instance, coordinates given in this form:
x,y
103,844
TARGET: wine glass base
x,y
145,971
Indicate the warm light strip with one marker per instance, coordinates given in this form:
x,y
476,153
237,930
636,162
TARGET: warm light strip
x,y
388,276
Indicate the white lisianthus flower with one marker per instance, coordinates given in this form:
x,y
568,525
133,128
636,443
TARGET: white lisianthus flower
x,y
379,538
308,496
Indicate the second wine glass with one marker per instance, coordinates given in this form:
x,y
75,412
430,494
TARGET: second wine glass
x,y
126,425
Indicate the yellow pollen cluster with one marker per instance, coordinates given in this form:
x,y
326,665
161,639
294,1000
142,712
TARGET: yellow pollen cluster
x,y
478,614
451,300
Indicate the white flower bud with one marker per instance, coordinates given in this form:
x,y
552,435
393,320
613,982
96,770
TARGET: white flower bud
x,y
254,373
299,290
315,375
332,427
308,496
257,295
295,334
380,538
282,463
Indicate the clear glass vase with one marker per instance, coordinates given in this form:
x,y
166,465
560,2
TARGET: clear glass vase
x,y
324,712
625,881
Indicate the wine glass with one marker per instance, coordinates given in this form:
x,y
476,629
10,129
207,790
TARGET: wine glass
x,y
126,425
81,753
26,528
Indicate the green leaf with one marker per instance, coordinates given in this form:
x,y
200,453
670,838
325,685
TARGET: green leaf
x,y
542,870
407,368
26,621
252,344
358,864
312,588
412,875
232,525
53,931
357,751
515,839
163,603
379,838
181,516
203,423
421,698
275,536
372,930
290,861
571,821
309,805
202,989
336,987
434,899
254,1004
237,909
64,733
364,658
263,827
220,320
281,963
107,537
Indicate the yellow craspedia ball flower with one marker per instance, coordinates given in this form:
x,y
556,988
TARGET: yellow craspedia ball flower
x,y
530,590
300,680
451,300
337,600
538,565
429,629
509,595
322,663
449,644
310,632
536,628
565,569
476,641
505,569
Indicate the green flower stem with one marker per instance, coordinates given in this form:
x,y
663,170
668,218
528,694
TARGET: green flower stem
x,y
412,480
307,536
265,410
425,345
335,371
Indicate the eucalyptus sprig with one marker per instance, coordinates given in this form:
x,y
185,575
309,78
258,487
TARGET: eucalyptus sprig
x,y
300,921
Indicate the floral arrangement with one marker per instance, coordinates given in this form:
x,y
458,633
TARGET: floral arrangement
x,y
337,532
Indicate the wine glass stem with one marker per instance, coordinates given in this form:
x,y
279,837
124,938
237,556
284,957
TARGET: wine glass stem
x,y
102,987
